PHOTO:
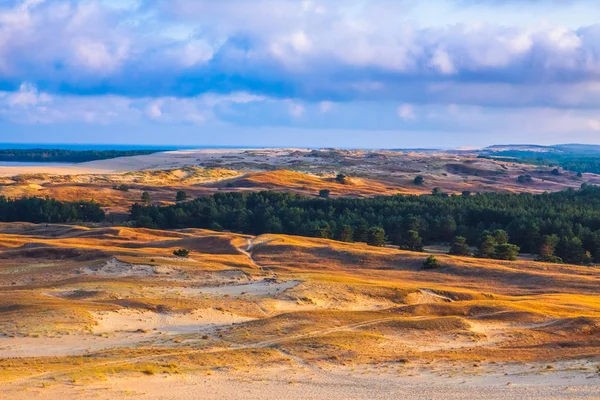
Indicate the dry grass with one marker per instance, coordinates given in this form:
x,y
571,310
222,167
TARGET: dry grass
x,y
353,305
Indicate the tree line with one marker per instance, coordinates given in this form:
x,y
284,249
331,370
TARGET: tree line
x,y
37,210
72,156
568,162
559,227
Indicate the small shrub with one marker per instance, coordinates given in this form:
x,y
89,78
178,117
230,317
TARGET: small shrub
x,y
341,178
149,370
524,179
431,263
183,253
419,180
181,196
324,194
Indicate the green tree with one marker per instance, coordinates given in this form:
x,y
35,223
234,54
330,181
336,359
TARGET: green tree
x,y
181,196
437,191
145,197
500,236
548,248
448,228
361,233
419,180
215,226
460,247
376,237
145,221
487,247
412,241
571,250
506,251
346,234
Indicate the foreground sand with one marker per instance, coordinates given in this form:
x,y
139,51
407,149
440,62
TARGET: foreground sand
x,y
300,382
110,313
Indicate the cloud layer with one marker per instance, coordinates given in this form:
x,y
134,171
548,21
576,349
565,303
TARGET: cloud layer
x,y
220,62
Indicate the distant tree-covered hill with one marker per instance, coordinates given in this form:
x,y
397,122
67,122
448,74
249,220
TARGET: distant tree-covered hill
x,y
68,156
571,157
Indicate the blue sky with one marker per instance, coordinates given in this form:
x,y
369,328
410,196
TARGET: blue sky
x,y
353,73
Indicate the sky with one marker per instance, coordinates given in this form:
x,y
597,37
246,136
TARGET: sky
x,y
305,73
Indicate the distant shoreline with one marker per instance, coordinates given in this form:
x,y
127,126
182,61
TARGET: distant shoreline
x,y
35,164
104,147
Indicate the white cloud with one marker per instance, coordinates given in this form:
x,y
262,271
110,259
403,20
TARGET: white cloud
x,y
27,96
30,106
191,62
296,110
195,52
154,110
326,106
441,60
95,55
407,112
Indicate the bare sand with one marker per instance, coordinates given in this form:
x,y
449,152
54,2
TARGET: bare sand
x,y
155,161
76,169
182,158
123,328
314,383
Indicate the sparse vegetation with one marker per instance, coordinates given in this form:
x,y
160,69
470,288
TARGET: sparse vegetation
x,y
431,263
324,193
341,179
377,305
122,187
524,179
181,196
183,253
